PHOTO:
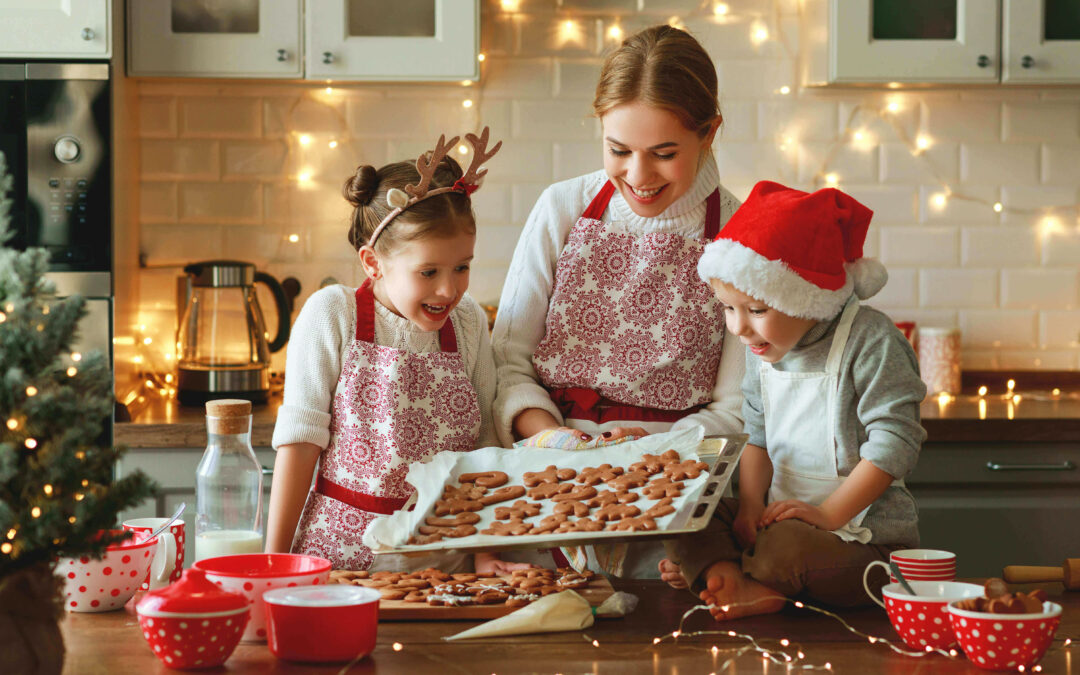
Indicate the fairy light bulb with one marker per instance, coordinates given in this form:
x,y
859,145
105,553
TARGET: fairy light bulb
x,y
759,33
998,207
293,238
31,391
13,424
332,144
1010,385
510,5
5,548
938,200
595,643
1055,391
832,180
30,443
305,139
923,142
329,91
71,520
398,646
36,512
48,490
467,103
480,57
721,9
982,390
72,371
76,356
784,90
615,32
462,149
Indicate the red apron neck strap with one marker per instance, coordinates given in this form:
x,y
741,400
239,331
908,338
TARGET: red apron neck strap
x,y
712,215
365,320
599,203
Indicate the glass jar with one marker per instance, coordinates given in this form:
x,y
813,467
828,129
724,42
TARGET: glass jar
x,y
228,484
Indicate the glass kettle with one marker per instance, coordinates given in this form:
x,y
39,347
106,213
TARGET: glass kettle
x,y
222,346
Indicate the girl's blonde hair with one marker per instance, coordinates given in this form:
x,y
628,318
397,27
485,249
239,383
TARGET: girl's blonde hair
x,y
664,67
441,215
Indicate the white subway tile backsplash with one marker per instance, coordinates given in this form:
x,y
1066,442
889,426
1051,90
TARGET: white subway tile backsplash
x,y
574,159
938,163
801,120
382,117
518,78
239,203
523,161
317,113
251,158
1041,121
486,283
524,197
492,204
576,79
890,203
1060,329
553,120
157,202
963,121
179,160
1061,247
1014,246
220,117
157,117
743,78
901,291
495,245
1061,163
1039,289
740,121
1001,164
958,288
1009,329
1034,203
850,165
169,243
974,205
919,245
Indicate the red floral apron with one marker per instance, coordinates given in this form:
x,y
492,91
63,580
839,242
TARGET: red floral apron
x,y
632,331
390,408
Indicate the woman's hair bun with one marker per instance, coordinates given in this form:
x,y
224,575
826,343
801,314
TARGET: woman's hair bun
x,y
360,188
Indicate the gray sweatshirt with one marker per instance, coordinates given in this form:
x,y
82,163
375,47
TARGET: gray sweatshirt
x,y
877,411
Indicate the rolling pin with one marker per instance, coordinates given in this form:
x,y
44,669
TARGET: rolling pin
x,y
1068,573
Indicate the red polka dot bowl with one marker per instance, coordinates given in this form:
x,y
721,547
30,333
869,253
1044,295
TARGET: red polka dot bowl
x,y
193,623
1005,641
103,585
922,620
252,574
322,624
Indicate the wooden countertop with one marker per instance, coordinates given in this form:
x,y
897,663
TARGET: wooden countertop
x,y
111,642
164,423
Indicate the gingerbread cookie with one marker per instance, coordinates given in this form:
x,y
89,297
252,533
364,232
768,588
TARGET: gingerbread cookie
x,y
457,531
654,464
465,492
548,490
577,494
594,475
639,524
445,507
520,510
686,469
488,479
660,508
548,524
581,525
617,512
552,474
421,539
515,527
503,494
662,487
572,508
629,480
463,518
608,497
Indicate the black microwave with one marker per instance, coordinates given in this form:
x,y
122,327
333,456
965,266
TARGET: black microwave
x,y
55,133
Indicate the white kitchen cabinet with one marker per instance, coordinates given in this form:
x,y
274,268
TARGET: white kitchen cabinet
x,y
207,38
941,41
358,40
56,29
1041,42
425,40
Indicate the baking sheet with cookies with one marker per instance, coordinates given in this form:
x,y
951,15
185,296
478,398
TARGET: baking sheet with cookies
x,y
691,506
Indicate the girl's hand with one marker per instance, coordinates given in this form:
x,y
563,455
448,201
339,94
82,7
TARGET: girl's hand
x,y
746,522
620,432
793,508
492,563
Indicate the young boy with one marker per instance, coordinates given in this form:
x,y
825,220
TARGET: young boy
x,y
832,395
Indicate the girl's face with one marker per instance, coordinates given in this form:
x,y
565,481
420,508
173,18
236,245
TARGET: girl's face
x,y
422,280
766,332
650,156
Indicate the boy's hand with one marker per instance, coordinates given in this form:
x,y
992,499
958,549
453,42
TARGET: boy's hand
x,y
746,523
491,563
793,508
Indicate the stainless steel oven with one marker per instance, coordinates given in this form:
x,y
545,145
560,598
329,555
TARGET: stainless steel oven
x,y
55,132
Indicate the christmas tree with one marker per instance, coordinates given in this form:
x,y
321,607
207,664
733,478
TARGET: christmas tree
x,y
57,492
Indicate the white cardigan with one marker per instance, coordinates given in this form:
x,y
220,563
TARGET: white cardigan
x,y
524,304
323,331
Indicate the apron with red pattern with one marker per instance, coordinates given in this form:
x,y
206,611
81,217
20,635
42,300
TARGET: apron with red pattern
x,y
632,331
390,408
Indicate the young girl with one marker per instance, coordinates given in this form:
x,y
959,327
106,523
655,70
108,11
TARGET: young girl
x,y
832,409
604,326
387,374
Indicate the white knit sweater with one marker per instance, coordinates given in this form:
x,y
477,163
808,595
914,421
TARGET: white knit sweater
x,y
527,292
323,331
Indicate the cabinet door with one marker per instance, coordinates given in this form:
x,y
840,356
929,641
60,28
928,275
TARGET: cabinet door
x,y
423,40
215,38
1041,42
56,28
913,41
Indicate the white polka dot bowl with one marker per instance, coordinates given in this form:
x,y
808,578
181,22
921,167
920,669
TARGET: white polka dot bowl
x,y
252,574
1005,641
922,620
103,585
193,623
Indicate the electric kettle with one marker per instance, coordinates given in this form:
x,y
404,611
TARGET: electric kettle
x,y
222,347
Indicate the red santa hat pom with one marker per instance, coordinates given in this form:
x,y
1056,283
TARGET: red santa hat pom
x,y
799,252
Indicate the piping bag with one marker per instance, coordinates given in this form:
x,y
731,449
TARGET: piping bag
x,y
551,614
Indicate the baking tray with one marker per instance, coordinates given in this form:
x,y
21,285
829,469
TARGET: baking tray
x,y
720,452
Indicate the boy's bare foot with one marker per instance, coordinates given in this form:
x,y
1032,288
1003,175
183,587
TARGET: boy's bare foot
x,y
672,574
726,585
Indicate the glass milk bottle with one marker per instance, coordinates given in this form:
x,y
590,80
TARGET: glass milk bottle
x,y
228,484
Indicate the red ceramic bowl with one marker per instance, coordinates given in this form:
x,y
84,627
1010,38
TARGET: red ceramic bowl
x,y
921,619
252,574
1005,641
322,624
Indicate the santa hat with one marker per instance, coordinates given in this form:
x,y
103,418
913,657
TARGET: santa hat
x,y
800,253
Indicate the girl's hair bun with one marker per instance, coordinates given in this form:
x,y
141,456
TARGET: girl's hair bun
x,y
360,188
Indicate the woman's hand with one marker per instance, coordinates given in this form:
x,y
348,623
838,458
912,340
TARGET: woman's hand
x,y
621,432
793,508
746,522
491,563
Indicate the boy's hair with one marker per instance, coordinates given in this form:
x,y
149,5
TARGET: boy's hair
x,y
664,67
441,215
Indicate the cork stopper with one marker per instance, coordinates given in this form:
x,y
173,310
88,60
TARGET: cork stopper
x,y
228,416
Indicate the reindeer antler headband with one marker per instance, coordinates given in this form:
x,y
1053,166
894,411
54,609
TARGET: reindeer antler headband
x,y
466,185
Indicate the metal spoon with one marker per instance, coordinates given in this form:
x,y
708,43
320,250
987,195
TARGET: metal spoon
x,y
895,569
179,510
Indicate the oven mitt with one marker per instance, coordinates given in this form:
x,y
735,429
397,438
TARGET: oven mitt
x,y
565,440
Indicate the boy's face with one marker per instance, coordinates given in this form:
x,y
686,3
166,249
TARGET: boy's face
x,y
766,332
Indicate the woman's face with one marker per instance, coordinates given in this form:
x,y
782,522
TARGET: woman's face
x,y
650,156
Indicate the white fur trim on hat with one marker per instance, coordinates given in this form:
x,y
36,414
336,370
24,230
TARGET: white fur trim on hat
x,y
771,281
869,276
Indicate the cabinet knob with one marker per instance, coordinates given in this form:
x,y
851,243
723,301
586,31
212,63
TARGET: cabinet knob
x,y
1026,61
327,57
87,34
282,55
983,61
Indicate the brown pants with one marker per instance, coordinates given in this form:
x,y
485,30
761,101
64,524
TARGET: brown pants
x,y
791,557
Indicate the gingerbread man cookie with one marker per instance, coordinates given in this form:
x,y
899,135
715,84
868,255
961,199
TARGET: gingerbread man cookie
x,y
463,518
654,464
594,475
639,524
515,527
579,493
608,497
552,474
572,508
629,480
547,490
520,510
617,512
686,469
662,487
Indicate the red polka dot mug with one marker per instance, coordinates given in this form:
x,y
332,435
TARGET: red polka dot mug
x,y
144,526
102,585
922,620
